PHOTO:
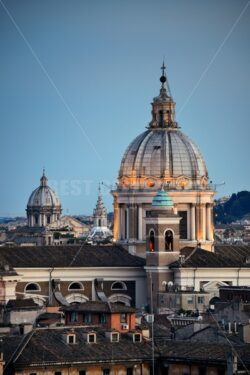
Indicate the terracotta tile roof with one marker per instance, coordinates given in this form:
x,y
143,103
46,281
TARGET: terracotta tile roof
x,y
68,256
48,346
184,351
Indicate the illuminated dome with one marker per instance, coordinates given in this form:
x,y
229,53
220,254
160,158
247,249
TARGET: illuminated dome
x,y
163,155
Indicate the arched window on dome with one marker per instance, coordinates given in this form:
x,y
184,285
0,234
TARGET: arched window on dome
x,y
36,219
76,286
48,219
169,240
118,285
32,287
151,240
99,222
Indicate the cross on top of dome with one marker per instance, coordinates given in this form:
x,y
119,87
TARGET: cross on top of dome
x,y
163,77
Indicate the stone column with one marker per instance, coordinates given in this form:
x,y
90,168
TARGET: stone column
x,y
209,223
121,222
198,222
192,222
116,220
139,222
203,210
127,223
133,222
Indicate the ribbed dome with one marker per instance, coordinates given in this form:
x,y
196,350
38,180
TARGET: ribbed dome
x,y
160,152
43,196
163,155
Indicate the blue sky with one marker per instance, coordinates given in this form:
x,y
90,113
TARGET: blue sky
x,y
77,79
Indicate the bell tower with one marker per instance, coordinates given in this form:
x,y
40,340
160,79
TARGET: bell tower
x,y
162,245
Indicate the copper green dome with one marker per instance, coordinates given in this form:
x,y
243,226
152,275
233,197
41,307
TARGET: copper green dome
x,y
162,199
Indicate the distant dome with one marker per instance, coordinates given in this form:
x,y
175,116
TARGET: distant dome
x,y
43,196
163,154
43,206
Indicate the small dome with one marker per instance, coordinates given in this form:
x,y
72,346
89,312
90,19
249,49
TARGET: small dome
x,y
162,199
43,196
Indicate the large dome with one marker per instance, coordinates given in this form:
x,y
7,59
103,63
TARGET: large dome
x,y
43,196
163,152
163,155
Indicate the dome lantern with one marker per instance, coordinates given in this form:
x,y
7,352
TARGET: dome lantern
x,y
163,106
43,179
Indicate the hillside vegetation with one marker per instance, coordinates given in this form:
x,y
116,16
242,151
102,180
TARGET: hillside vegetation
x,y
234,209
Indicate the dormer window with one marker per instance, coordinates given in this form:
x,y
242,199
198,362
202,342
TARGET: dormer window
x,y
91,338
137,337
71,339
114,337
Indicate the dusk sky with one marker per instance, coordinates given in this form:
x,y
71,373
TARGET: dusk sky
x,y
77,79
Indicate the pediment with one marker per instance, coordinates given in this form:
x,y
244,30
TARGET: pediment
x,y
215,284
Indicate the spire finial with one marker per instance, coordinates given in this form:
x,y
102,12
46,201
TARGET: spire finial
x,y
163,77
43,171
99,188
163,68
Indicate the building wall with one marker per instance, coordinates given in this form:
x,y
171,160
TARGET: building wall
x,y
95,369
179,369
19,317
134,278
